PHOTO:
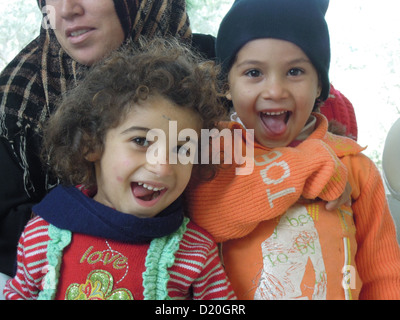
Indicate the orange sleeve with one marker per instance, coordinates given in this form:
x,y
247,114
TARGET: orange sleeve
x,y
378,254
231,205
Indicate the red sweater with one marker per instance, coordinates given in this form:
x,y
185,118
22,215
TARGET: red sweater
x,y
280,243
53,263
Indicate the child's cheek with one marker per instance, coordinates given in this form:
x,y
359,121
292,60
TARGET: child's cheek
x,y
121,170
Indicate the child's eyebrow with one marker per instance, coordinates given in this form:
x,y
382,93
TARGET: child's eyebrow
x,y
135,128
257,62
250,62
299,60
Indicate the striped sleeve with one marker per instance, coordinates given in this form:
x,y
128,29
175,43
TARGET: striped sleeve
x,y
197,273
31,262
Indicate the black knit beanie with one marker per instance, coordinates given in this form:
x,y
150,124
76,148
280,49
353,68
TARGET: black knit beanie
x,y
301,22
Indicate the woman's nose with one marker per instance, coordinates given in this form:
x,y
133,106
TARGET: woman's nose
x,y
71,8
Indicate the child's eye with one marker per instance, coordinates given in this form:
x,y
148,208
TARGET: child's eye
x,y
253,73
182,150
141,141
295,72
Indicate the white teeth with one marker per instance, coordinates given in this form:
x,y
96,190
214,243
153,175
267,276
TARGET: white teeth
x,y
274,113
149,187
78,33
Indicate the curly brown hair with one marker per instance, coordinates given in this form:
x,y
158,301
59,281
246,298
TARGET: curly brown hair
x,y
163,67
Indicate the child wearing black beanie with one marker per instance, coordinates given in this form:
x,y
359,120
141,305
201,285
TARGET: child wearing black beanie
x,y
278,239
301,22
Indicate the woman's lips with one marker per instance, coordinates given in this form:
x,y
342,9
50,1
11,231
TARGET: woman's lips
x,y
79,34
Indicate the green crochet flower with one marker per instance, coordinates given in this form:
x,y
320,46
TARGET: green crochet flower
x,y
99,286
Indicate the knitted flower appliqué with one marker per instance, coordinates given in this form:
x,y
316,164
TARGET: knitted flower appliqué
x,y
99,286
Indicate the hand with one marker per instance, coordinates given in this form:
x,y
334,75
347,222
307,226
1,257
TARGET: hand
x,y
344,199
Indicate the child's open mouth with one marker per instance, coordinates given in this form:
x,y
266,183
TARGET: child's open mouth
x,y
147,194
275,122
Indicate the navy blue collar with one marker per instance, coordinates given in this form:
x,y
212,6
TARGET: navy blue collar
x,y
68,208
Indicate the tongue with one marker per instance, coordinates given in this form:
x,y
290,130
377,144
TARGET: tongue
x,y
275,124
140,192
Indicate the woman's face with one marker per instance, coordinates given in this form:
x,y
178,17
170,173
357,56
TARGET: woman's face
x,y
87,29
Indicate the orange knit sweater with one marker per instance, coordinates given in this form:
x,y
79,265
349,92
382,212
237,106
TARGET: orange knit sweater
x,y
278,239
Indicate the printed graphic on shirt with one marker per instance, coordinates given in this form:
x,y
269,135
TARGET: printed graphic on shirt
x,y
108,257
98,269
286,254
99,286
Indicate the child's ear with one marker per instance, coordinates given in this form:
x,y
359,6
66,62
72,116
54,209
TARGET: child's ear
x,y
319,89
227,90
92,156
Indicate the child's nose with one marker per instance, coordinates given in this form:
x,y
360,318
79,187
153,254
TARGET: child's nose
x,y
162,166
162,169
274,88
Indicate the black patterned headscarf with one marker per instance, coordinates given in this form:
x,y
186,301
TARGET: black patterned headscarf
x,y
41,73
150,17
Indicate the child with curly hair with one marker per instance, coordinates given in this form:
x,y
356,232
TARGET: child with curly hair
x,y
122,233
